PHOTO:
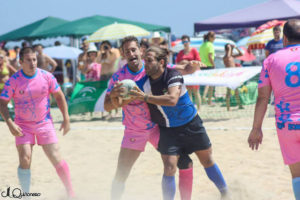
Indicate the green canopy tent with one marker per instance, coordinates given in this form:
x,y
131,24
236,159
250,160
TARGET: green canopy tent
x,y
88,25
32,31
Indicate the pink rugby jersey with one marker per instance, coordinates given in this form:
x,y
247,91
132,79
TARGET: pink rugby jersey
x,y
31,96
136,114
281,71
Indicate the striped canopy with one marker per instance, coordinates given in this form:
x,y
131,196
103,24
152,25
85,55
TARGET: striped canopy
x,y
117,31
263,34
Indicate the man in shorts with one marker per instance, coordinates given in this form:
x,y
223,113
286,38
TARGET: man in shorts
x,y
30,89
139,129
43,60
280,74
181,129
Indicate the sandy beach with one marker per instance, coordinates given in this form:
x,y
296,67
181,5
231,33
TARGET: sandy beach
x,y
91,148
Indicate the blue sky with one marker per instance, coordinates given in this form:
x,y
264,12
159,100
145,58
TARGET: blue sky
x,y
179,15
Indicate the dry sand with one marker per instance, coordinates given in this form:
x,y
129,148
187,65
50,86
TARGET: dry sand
x,y
91,148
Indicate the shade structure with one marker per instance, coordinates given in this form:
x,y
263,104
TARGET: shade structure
x,y
117,31
262,35
62,52
88,25
252,16
33,31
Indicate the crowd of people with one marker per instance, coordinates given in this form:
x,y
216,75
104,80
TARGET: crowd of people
x,y
159,110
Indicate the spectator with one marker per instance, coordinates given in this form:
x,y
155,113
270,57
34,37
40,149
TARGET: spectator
x,y
6,70
82,59
44,60
156,39
228,60
276,43
207,55
107,57
15,62
183,57
93,71
143,47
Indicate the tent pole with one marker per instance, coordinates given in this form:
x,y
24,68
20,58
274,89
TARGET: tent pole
x,y
169,47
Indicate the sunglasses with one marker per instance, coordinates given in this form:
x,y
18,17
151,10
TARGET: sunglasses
x,y
184,41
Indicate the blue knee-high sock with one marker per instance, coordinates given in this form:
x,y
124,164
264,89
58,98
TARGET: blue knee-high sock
x,y
215,175
168,187
296,187
24,176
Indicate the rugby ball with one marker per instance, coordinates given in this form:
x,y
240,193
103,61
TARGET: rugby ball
x,y
128,85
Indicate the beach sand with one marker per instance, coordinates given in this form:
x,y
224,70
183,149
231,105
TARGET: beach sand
x,y
91,149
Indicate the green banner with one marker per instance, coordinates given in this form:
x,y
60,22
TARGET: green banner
x,y
85,96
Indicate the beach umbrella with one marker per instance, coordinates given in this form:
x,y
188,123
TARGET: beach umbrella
x,y
263,34
247,55
242,42
62,52
117,31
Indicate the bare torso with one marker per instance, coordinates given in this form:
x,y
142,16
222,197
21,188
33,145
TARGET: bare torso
x,y
229,61
42,62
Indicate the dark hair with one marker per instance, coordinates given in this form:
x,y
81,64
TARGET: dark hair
x,y
291,30
277,28
16,47
208,35
185,37
37,45
57,43
25,44
7,52
227,46
106,42
129,39
164,42
26,50
144,43
160,53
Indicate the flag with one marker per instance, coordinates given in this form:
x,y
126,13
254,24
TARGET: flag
x,y
88,97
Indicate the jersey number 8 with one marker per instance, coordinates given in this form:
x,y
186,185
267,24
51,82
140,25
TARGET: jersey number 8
x,y
291,72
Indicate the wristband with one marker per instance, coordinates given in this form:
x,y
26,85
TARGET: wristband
x,y
146,97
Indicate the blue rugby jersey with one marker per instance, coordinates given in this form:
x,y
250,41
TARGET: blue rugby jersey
x,y
168,116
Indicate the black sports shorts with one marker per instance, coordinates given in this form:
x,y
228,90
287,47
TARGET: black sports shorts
x,y
184,139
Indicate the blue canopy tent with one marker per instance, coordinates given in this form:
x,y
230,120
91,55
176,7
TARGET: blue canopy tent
x,y
252,16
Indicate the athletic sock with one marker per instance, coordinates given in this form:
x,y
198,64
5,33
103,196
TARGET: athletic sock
x,y
24,176
117,190
63,172
186,183
296,187
215,175
168,187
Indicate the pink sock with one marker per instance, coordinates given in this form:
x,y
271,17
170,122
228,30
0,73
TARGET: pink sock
x,y
63,172
186,183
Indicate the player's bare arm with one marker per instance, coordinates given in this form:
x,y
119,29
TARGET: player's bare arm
x,y
62,105
256,135
169,99
14,129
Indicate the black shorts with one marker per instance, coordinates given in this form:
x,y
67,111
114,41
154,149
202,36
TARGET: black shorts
x,y
184,139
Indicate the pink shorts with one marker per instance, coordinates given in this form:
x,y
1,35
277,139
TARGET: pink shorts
x,y
289,140
137,140
43,135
